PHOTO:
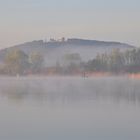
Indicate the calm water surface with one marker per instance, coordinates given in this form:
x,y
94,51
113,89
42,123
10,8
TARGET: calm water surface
x,y
69,108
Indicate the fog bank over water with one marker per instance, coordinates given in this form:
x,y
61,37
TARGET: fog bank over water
x,y
69,108
71,89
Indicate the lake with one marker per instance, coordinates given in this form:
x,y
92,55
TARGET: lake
x,y
69,108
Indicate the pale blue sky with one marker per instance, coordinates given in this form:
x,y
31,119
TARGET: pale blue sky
x,y
26,20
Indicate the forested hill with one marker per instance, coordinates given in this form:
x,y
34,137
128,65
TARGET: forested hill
x,y
53,50
74,42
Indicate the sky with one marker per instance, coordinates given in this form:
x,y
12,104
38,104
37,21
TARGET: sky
x,y
108,20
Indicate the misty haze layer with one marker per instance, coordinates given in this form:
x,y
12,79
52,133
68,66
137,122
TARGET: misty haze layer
x,y
54,51
77,108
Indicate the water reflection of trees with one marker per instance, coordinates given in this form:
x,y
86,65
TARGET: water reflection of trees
x,y
117,90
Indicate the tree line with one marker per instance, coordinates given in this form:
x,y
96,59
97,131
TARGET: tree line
x,y
116,62
18,62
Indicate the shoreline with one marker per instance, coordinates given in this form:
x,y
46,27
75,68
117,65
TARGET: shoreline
x,y
86,75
